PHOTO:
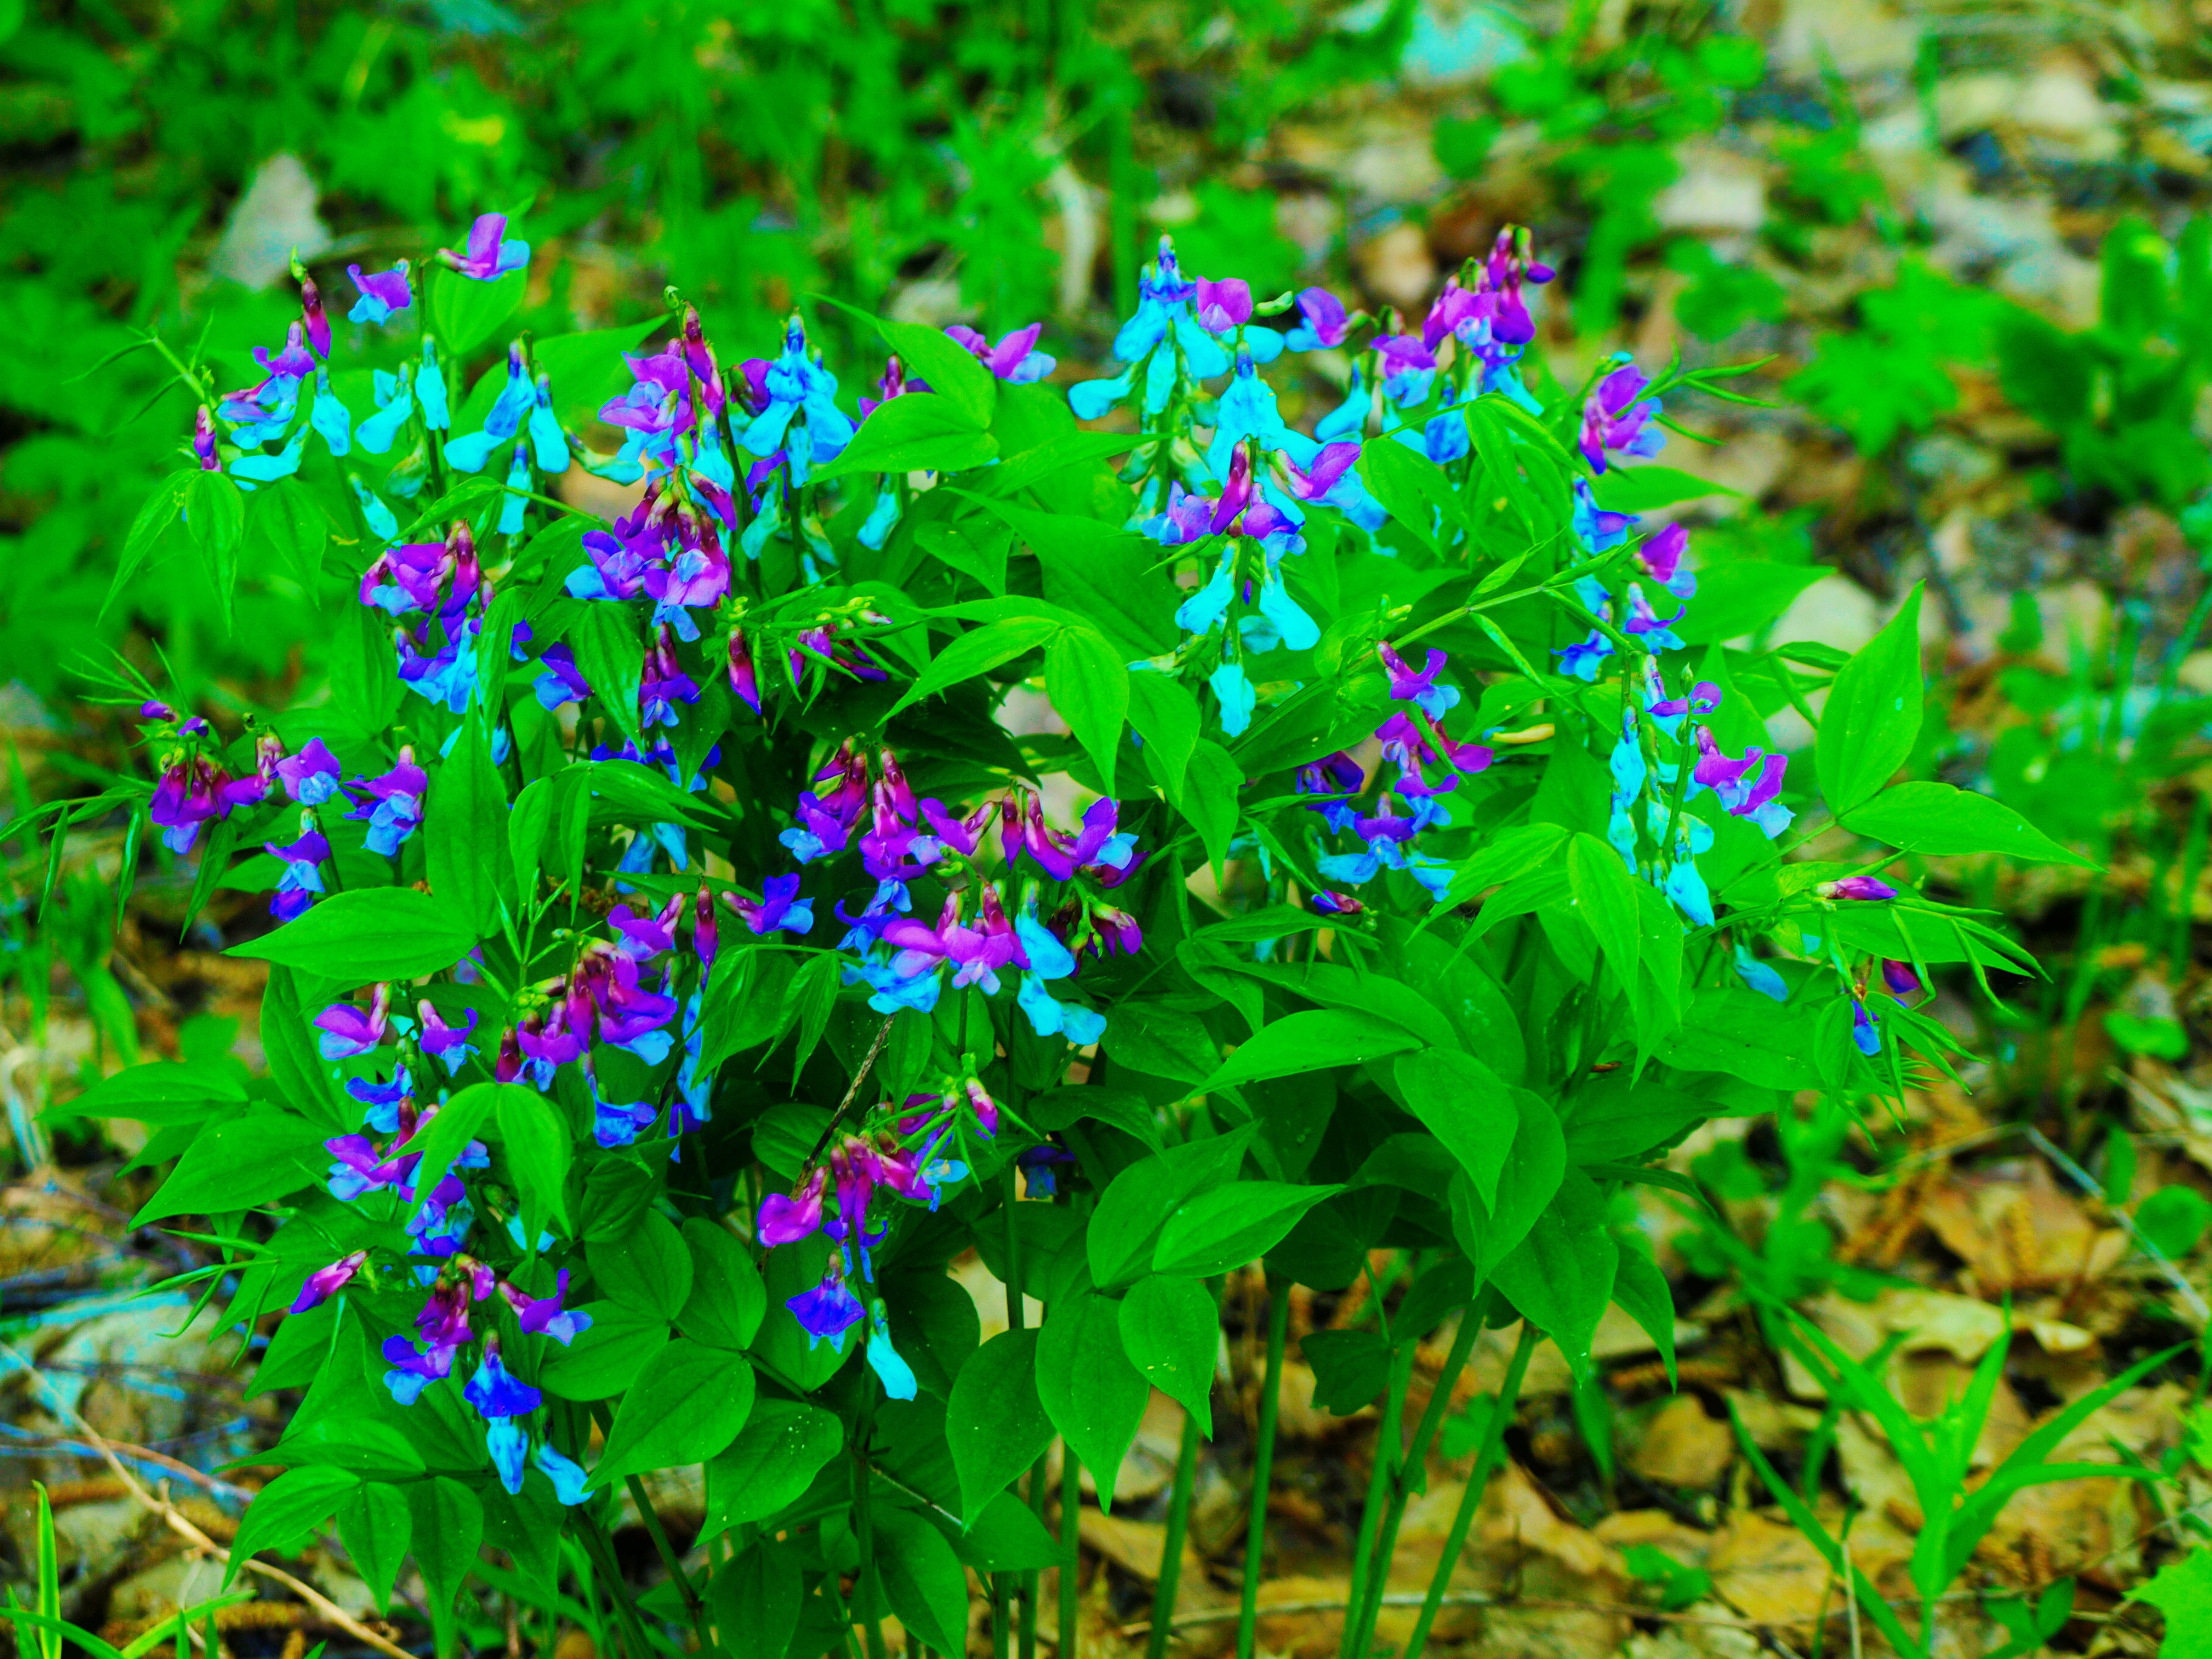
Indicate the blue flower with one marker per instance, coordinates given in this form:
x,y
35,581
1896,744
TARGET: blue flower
x,y
1760,978
567,1475
1237,698
1049,1016
430,390
897,1375
509,1447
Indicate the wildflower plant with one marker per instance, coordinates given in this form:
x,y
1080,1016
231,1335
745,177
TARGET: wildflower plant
x,y
677,956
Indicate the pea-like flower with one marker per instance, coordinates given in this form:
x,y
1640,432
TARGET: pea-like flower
x,y
491,253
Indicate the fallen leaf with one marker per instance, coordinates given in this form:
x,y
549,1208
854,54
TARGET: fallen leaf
x,y
1681,1446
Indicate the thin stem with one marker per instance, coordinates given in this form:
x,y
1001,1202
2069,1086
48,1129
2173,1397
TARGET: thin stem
x,y
864,1526
605,1566
867,1065
1365,1567
1493,1440
1413,1474
1071,1544
1002,1584
1163,1599
692,1605
1263,1463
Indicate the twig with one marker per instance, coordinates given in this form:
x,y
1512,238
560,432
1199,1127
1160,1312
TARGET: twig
x,y
183,1527
867,1065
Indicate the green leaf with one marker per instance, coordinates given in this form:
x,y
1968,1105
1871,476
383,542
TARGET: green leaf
x,y
727,1299
457,1123
1412,488
1534,1170
376,1528
1745,1035
612,660
238,1164
688,1406
954,373
792,1269
1166,718
1118,1243
1603,894
1094,1396
994,1422
1743,598
647,1266
1209,799
972,549
448,1532
756,1599
214,514
978,652
771,1463
292,521
286,1511
2182,1590
918,433
1172,1331
923,1580
1313,1040
1642,1291
1007,1537
2172,1220
643,795
1939,819
1466,1106
467,314
1560,1275
159,1092
1350,1368
464,833
536,1137
1873,712
155,518
1090,687
367,935
605,1360
1641,488
364,672
1215,1231
1613,1117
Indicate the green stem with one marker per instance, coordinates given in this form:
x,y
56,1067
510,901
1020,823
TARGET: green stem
x,y
1493,1440
1163,1599
692,1605
1263,1463
1002,1584
1071,1544
1412,1474
863,1526
1365,1568
601,1549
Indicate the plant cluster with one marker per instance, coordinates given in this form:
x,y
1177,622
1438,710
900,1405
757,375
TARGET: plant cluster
x,y
678,958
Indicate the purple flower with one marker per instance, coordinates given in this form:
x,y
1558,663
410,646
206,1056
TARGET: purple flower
x,y
561,680
645,937
1660,555
1225,304
1864,1030
310,777
744,681
302,879
489,255
1581,660
1331,482
1014,359
447,1043
786,1220
1899,978
326,1282
1407,685
1618,421
414,1369
347,1032
1598,530
826,1312
1656,633
779,906
663,683
397,811
1747,788
1864,888
1337,904
495,1392
543,1315
382,293
1326,323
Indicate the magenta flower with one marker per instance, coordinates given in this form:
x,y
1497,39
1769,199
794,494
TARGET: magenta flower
x,y
744,679
382,293
1407,685
1337,904
489,255
1225,304
786,1220
1014,359
1325,323
448,1044
543,1315
1660,555
346,1031
1898,977
1747,788
779,906
396,810
326,1282
1862,887
1617,420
